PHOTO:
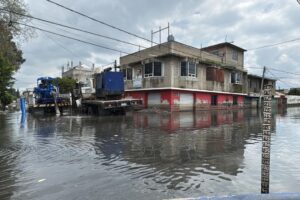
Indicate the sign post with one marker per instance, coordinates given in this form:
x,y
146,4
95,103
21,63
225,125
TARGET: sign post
x,y
266,139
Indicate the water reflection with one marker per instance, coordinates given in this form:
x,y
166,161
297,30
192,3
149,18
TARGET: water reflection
x,y
186,153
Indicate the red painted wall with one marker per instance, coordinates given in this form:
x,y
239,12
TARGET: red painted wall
x,y
172,97
203,97
241,100
138,95
166,95
224,98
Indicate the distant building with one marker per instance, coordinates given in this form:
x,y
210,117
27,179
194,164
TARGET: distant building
x,y
254,84
80,73
254,87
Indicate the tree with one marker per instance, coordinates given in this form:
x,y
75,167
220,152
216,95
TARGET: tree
x,y
6,99
294,91
11,56
66,84
12,11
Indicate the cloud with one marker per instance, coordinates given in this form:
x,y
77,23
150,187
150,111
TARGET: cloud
x,y
198,23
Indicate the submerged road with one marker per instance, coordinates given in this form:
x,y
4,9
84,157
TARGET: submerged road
x,y
145,156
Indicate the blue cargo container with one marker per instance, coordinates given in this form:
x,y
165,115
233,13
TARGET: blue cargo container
x,y
109,85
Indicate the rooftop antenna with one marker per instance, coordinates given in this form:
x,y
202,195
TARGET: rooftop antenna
x,y
159,31
226,38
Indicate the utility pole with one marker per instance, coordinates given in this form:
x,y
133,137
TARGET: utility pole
x,y
261,87
151,38
115,65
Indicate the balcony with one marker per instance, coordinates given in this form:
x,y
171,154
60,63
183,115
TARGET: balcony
x,y
149,82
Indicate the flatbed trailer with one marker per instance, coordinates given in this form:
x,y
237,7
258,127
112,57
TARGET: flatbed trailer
x,y
48,108
101,107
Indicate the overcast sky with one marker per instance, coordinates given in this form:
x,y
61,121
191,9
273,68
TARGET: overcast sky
x,y
249,24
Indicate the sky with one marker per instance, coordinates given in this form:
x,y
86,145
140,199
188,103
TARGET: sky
x,y
248,24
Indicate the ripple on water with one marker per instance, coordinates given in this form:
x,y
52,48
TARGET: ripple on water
x,y
181,155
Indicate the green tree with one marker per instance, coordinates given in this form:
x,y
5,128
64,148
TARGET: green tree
x,y
294,91
6,80
11,56
65,84
6,99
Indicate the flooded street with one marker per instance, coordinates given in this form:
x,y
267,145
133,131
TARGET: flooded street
x,y
145,156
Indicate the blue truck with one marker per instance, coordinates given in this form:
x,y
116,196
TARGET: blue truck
x,y
109,95
47,98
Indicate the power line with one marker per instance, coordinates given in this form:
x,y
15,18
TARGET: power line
x,y
96,20
77,29
120,29
115,39
285,82
79,40
127,32
74,28
275,44
271,68
283,71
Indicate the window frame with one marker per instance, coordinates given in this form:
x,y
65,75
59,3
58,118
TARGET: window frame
x,y
236,75
187,65
152,74
126,73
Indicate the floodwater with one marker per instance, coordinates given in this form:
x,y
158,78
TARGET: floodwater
x,y
145,156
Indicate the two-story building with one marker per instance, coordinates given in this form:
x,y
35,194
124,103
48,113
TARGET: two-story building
x,y
175,76
80,73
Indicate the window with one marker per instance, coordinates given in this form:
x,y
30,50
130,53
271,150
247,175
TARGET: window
x,y
188,69
236,77
153,69
157,69
234,55
127,73
183,69
215,52
148,70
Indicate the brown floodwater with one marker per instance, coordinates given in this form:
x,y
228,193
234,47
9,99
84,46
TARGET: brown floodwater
x,y
145,156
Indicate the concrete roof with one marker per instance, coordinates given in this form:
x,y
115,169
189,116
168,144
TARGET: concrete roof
x,y
256,76
222,45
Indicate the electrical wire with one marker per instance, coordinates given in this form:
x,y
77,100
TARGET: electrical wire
x,y
283,71
275,44
285,82
74,28
122,30
68,50
72,38
135,35
96,20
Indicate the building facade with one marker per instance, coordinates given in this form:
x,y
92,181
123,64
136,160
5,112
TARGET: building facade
x,y
254,87
80,73
175,76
